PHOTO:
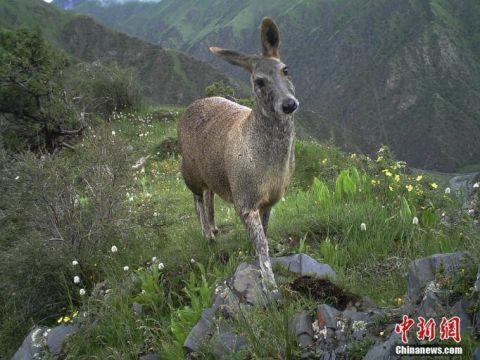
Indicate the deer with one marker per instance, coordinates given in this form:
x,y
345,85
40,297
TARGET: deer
x,y
244,155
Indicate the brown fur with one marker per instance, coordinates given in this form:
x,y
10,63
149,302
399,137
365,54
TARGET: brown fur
x,y
246,156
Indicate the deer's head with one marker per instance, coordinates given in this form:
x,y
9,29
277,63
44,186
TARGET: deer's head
x,y
272,85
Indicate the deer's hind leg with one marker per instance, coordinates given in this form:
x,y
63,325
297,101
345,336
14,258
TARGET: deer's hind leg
x,y
202,216
208,197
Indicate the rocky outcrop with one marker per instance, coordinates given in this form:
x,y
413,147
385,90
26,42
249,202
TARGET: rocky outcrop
x,y
355,326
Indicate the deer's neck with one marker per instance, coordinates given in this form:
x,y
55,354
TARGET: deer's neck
x,y
272,135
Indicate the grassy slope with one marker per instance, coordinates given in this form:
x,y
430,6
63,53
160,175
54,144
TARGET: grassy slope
x,y
311,220
164,74
402,73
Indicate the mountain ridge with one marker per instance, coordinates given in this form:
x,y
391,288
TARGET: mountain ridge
x,y
368,72
167,76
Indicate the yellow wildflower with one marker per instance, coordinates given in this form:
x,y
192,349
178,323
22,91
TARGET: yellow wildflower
x,y
353,156
409,187
397,178
387,172
380,158
419,177
324,161
391,188
434,185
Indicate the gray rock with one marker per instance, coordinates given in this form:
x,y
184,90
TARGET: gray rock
x,y
327,316
300,327
476,324
226,344
56,337
304,265
422,271
385,350
33,346
149,356
460,309
224,300
200,331
431,305
137,309
247,284
476,354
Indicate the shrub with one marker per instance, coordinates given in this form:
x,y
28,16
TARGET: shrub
x,y
34,110
56,209
104,88
219,88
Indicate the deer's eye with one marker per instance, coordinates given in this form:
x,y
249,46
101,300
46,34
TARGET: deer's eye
x,y
285,71
260,82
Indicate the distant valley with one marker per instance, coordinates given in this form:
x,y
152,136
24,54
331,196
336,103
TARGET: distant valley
x,y
368,72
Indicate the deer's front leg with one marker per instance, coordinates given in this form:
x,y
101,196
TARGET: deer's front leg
x,y
256,233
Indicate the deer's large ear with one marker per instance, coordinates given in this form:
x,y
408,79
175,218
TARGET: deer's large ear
x,y
234,58
270,38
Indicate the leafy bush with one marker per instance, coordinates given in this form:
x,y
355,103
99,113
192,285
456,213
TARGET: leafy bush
x,y
219,88
34,110
56,209
104,88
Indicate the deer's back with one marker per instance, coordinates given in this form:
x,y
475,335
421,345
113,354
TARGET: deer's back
x,y
204,132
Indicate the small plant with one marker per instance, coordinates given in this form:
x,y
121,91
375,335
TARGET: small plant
x,y
198,292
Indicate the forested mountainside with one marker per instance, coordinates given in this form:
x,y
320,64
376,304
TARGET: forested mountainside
x,y
403,73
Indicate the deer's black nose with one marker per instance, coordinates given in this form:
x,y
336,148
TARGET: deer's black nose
x,y
289,106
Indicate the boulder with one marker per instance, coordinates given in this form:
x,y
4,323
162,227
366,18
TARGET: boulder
x,y
385,350
227,343
33,346
431,305
327,316
461,309
200,332
56,337
476,354
423,271
246,284
300,326
305,265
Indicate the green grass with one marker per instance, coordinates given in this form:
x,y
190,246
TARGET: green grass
x,y
323,220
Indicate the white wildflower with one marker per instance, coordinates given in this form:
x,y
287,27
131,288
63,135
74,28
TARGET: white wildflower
x,y
114,249
476,185
76,279
113,132
126,268
143,292
17,177
161,266
415,220
154,259
359,325
447,191
363,227
192,261
82,292
471,211
74,263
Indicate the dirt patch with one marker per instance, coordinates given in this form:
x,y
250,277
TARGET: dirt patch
x,y
325,291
